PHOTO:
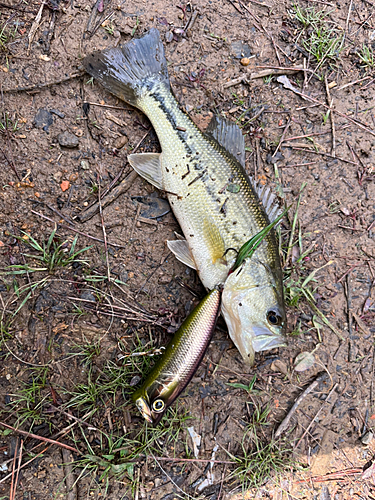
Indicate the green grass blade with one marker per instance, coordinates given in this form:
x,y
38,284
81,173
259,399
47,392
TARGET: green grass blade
x,y
247,250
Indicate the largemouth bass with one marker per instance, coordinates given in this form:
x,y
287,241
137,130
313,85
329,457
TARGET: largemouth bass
x,y
213,199
176,367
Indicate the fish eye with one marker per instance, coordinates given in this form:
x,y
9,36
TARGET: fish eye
x,y
274,318
158,405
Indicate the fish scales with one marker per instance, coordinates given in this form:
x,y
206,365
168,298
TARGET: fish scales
x,y
244,214
210,193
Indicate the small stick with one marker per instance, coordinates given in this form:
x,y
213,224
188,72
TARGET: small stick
x,y
103,229
343,115
262,28
354,83
348,18
298,164
12,166
282,137
117,191
205,460
330,103
317,414
11,493
18,471
70,481
26,463
372,377
285,423
121,108
72,417
322,154
35,25
76,231
52,210
37,86
40,438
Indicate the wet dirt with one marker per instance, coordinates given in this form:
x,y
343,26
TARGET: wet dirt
x,y
66,142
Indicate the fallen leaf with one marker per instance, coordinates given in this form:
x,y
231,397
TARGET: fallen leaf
x,y
64,185
304,361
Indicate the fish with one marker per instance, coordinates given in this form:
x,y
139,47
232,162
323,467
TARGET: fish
x,y
179,362
218,206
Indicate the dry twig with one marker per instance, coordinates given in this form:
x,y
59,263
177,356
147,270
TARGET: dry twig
x,y
285,423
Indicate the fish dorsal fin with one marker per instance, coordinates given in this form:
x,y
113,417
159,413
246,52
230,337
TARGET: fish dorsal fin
x,y
213,240
181,250
229,135
148,166
267,197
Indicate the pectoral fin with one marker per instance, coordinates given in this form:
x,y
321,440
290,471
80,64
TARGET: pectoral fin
x,y
182,252
148,166
214,240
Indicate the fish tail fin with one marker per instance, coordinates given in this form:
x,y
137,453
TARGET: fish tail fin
x,y
130,70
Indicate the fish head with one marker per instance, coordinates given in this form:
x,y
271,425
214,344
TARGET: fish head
x,y
253,308
153,400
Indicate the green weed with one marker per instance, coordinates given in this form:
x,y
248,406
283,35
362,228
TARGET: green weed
x,y
51,254
324,43
366,56
29,401
248,388
8,123
260,458
7,35
308,16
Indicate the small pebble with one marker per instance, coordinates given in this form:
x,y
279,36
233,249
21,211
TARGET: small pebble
x,y
58,113
85,165
43,119
57,176
67,140
367,438
64,185
120,142
245,61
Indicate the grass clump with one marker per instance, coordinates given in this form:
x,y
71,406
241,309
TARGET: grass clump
x,y
260,457
51,254
366,56
320,37
31,399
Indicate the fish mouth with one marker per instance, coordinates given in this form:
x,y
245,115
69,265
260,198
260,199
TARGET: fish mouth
x,y
264,339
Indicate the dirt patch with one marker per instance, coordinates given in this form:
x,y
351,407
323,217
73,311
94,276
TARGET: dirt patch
x,y
68,334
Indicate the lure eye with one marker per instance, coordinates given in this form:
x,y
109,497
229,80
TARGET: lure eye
x,y
158,405
274,318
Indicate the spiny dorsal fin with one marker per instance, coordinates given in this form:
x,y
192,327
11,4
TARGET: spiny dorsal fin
x,y
148,166
267,197
228,135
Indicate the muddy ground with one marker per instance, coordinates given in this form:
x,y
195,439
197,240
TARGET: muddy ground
x,y
75,330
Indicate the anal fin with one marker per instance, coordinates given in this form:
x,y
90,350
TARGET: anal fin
x,y
181,250
148,166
